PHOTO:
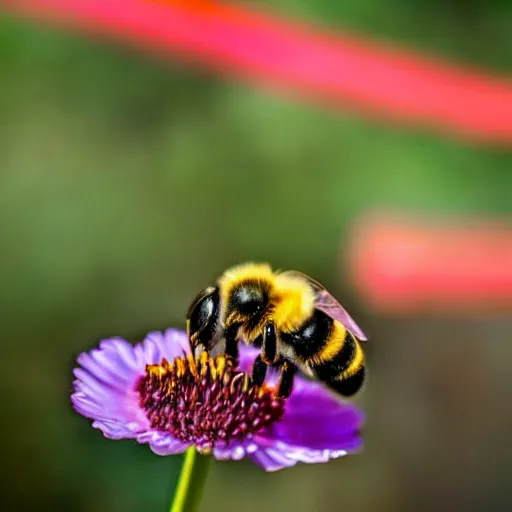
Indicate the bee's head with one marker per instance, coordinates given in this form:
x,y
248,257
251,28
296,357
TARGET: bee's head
x,y
247,303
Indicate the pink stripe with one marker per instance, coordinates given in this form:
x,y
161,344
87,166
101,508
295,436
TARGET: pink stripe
x,y
413,265
329,68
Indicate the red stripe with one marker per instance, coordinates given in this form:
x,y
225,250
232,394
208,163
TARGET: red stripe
x,y
401,265
338,69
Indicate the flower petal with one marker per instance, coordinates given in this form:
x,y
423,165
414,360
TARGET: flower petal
x,y
105,386
106,373
104,389
90,385
247,355
316,419
271,459
114,429
162,443
120,354
316,427
234,450
85,406
157,345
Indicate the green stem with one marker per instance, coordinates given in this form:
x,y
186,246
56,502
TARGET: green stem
x,y
189,490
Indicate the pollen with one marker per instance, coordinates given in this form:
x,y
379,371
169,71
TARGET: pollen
x,y
206,400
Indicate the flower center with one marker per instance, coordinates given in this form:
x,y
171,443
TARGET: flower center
x,y
206,400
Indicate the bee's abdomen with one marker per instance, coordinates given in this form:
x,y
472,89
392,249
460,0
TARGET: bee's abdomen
x,y
350,385
311,338
331,367
343,371
331,351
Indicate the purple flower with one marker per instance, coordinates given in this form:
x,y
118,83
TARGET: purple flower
x,y
156,392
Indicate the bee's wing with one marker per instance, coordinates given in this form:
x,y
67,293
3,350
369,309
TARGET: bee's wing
x,y
329,305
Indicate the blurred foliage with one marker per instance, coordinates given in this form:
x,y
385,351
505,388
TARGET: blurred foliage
x,y
127,183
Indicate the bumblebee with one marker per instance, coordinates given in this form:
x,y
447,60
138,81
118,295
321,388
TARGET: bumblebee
x,y
295,321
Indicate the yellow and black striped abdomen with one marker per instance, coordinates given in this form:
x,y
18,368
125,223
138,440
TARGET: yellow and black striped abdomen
x,y
344,368
333,354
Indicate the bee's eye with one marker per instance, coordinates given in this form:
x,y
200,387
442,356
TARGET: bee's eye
x,y
248,300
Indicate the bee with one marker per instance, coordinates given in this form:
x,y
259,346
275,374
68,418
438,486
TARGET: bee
x,y
295,321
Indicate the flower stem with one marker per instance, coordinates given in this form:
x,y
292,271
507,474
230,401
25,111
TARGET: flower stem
x,y
189,490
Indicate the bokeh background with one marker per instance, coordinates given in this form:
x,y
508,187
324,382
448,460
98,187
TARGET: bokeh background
x,y
128,182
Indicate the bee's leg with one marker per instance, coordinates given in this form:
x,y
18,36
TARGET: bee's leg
x,y
269,350
259,371
231,336
287,376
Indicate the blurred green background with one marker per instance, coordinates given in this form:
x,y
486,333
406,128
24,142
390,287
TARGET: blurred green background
x,y
127,183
